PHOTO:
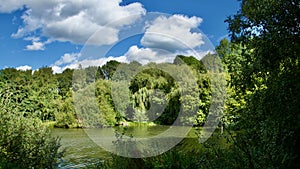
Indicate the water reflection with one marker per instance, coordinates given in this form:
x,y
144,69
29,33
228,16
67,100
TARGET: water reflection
x,y
82,151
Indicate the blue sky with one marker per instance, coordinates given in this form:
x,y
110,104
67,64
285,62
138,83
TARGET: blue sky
x,y
52,33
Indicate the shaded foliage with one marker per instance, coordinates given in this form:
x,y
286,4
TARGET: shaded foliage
x,y
263,66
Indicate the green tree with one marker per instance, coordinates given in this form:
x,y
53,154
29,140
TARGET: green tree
x,y
106,105
45,93
18,84
268,135
99,74
91,73
109,68
25,142
64,82
190,61
235,62
94,106
66,116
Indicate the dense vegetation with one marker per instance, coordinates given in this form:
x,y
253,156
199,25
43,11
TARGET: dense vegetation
x,y
263,104
262,117
261,114
48,97
30,100
25,142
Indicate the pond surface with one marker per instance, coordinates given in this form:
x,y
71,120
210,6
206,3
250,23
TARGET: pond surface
x,y
82,151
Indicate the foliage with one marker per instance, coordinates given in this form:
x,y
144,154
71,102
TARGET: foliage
x,y
45,92
154,94
106,105
263,66
66,117
163,96
95,111
34,94
192,62
170,159
64,82
25,142
109,68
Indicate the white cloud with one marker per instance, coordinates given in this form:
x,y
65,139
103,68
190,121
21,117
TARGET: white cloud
x,y
25,67
73,20
147,55
36,46
173,33
134,53
166,37
101,61
71,61
32,38
67,58
197,54
36,43
56,69
9,6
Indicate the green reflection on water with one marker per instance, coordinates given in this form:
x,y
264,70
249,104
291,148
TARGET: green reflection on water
x,y
82,151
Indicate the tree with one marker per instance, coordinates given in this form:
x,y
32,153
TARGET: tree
x,y
45,93
269,127
190,61
66,116
25,142
106,105
235,62
64,82
109,68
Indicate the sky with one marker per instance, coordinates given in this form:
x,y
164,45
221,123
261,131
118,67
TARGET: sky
x,y
65,33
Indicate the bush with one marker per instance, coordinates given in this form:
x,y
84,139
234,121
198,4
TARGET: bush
x,y
25,142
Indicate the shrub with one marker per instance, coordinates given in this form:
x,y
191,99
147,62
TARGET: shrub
x,y
25,142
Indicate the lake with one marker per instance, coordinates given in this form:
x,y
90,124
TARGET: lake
x,y
81,147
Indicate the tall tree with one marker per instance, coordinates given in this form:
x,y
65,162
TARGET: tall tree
x,y
109,68
45,93
64,82
269,134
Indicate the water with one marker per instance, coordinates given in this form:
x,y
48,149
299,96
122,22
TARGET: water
x,y
81,150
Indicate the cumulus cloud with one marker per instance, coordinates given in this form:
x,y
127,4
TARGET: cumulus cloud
x,y
173,33
72,20
9,6
134,53
25,67
166,37
147,55
67,58
72,61
36,46
101,61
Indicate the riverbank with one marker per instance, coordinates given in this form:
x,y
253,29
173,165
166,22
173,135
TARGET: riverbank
x,y
53,124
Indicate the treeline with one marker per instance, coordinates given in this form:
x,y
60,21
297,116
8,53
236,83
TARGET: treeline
x,y
154,95
261,112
